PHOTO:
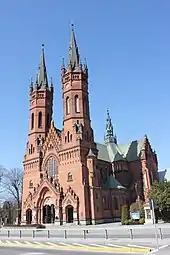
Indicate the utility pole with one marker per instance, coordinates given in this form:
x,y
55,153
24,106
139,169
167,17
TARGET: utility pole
x,y
152,207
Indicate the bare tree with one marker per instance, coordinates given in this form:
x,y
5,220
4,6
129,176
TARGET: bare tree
x,y
12,183
1,176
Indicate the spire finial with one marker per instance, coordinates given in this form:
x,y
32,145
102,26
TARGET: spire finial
x,y
72,27
108,114
73,57
42,73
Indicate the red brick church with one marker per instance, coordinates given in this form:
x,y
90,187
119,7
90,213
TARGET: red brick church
x,y
68,176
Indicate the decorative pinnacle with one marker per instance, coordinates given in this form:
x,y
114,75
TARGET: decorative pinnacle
x,y
62,62
36,78
108,114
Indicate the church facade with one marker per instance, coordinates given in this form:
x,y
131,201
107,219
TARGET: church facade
x,y
68,177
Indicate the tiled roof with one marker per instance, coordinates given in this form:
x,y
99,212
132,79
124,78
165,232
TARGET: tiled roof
x,y
116,152
112,183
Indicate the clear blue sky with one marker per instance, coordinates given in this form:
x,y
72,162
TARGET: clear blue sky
x,y
127,46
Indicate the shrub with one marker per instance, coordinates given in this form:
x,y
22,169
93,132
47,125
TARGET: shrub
x,y
142,221
130,221
125,214
134,207
142,212
126,222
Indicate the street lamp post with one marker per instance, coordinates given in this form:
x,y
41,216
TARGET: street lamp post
x,y
152,207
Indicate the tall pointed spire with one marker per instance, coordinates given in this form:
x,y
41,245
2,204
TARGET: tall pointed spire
x,y
73,58
42,73
109,137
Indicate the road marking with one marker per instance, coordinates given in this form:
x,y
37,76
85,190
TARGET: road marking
x,y
98,245
163,246
53,244
17,242
76,246
32,253
27,242
138,246
79,244
115,245
65,244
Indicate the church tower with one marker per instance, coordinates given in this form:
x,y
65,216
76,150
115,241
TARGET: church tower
x,y
75,97
41,103
77,135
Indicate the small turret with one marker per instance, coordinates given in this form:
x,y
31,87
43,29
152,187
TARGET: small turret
x,y
31,86
91,154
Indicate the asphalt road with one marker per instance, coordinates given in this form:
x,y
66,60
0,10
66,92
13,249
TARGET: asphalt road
x,y
32,251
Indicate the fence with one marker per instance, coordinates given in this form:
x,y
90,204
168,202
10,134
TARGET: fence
x,y
110,233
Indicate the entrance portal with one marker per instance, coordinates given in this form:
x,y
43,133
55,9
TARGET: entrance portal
x,y
69,214
28,216
48,214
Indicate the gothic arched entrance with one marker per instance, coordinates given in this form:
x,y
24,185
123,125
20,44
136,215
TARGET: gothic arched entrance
x,y
69,214
48,212
28,216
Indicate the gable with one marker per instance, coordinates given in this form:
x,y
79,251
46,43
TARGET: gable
x,y
44,187
53,140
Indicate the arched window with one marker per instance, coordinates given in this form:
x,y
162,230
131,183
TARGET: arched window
x,y
115,203
31,148
30,184
51,167
67,105
68,136
71,138
69,177
39,119
32,120
76,103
